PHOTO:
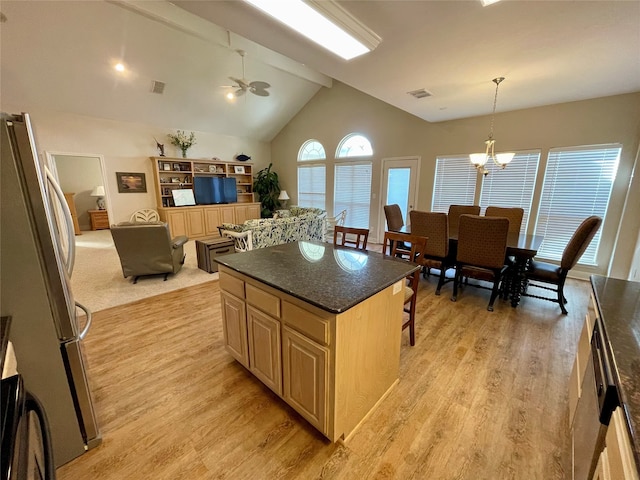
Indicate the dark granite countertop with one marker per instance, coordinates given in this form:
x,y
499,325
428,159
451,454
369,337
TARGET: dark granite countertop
x,y
5,324
619,305
329,277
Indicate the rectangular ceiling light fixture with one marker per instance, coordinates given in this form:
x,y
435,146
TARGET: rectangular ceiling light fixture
x,y
324,22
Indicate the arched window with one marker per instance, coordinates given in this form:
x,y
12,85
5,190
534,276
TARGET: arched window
x,y
311,150
352,179
312,175
354,145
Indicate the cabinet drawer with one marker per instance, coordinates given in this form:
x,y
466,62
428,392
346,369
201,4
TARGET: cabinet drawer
x,y
306,322
231,284
269,304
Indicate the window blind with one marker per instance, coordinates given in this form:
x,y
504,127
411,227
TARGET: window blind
x,y
512,186
577,184
353,192
312,186
455,183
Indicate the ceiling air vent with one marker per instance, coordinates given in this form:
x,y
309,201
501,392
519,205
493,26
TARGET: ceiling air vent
x,y
157,87
421,93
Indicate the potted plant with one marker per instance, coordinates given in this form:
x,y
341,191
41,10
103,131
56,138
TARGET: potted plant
x,y
267,187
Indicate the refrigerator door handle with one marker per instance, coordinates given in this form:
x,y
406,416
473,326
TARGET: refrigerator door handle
x,y
71,244
87,325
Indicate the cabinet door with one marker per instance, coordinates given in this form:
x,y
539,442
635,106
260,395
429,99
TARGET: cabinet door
x,y
621,464
234,327
246,212
195,222
227,215
177,223
602,468
212,220
305,369
264,349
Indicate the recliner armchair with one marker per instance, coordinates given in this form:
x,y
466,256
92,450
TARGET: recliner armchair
x,y
148,249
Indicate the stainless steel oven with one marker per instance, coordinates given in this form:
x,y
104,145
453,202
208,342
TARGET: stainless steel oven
x,y
26,442
596,404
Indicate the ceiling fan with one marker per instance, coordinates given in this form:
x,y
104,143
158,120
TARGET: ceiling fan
x,y
242,85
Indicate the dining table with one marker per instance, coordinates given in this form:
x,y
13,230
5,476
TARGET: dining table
x,y
520,246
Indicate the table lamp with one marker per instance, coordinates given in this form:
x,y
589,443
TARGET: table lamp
x,y
283,198
99,192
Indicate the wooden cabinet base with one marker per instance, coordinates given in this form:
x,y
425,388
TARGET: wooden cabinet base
x,y
203,220
333,369
99,219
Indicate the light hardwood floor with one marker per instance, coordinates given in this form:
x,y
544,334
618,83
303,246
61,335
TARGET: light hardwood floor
x,y
481,396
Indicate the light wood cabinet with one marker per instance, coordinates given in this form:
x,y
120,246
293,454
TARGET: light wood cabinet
x,y
69,197
333,369
99,219
264,348
305,377
202,221
620,462
235,328
178,173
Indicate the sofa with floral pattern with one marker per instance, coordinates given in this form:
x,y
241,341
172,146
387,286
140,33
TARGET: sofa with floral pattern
x,y
297,223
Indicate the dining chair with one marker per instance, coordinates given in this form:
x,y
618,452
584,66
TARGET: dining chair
x,y
416,246
514,214
550,273
435,227
482,245
332,222
351,237
393,214
454,215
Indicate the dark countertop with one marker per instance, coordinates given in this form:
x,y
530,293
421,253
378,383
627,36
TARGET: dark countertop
x,y
329,277
5,324
619,305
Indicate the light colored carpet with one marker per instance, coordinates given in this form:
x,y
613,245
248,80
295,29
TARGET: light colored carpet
x,y
97,280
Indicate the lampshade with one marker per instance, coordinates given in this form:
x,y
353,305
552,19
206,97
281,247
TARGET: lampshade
x,y
283,195
98,191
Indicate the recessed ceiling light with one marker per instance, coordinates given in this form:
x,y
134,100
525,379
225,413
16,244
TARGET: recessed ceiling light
x,y
325,23
119,67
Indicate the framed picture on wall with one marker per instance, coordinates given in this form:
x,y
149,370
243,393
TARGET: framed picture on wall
x,y
131,182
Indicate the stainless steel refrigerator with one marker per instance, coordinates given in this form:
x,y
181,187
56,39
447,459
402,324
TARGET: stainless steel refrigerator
x,y
37,250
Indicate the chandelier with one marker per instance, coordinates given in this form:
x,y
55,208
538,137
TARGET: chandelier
x,y
479,160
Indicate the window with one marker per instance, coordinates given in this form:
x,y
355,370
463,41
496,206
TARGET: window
x,y
455,183
352,185
512,186
312,175
577,184
353,192
312,186
354,145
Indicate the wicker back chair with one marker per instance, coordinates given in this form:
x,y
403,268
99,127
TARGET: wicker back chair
x,y
482,245
454,215
556,275
416,246
514,215
351,237
434,226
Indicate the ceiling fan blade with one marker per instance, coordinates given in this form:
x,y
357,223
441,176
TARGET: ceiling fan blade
x,y
240,92
259,85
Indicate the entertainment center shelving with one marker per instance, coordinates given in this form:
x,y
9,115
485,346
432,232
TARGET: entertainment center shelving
x,y
201,220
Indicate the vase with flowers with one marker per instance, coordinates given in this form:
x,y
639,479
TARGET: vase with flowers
x,y
182,141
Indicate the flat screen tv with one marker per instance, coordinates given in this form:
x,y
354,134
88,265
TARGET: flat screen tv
x,y
211,190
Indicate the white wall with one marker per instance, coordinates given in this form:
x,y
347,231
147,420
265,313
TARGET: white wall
x,y
126,147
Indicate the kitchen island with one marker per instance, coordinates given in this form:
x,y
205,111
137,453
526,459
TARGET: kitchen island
x,y
319,325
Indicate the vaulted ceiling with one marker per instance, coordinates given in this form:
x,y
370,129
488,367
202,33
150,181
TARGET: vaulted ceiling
x,y
59,55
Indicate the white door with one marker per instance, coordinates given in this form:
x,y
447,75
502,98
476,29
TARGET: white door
x,y
399,185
